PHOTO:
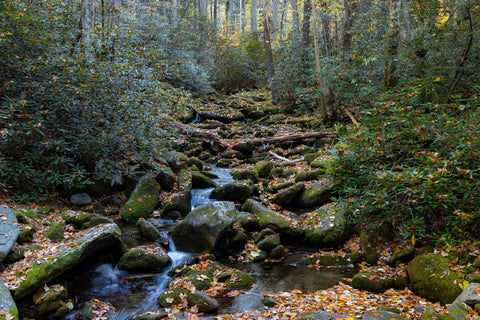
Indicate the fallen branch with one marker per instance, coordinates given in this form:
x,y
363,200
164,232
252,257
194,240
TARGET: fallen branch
x,y
295,137
285,160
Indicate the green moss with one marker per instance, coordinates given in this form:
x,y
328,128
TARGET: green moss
x,y
372,281
55,232
239,279
142,201
245,175
184,180
368,248
233,192
263,168
332,260
307,175
76,218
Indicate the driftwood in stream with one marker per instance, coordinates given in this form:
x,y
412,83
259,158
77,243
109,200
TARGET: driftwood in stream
x,y
215,138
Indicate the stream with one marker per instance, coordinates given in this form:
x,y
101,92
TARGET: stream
x,y
135,293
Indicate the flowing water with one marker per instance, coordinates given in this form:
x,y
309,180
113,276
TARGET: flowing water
x,y
135,293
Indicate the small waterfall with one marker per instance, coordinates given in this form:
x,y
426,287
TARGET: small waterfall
x,y
197,119
202,196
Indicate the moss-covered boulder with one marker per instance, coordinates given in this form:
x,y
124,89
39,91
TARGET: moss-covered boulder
x,y
277,186
48,301
372,281
432,278
239,279
166,178
245,174
203,301
176,160
96,220
150,315
331,260
368,248
171,297
144,258
402,256
181,202
8,308
195,162
142,201
184,180
431,314
269,219
269,242
200,231
328,227
233,191
9,229
244,147
317,195
224,163
148,229
200,181
287,197
77,218
307,175
55,232
263,168
27,231
310,157
67,256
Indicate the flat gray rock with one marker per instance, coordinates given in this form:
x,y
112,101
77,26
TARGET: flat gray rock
x,y
6,302
8,231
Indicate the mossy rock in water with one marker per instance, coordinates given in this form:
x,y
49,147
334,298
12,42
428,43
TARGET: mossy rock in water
x,y
232,154
246,174
432,278
144,258
150,315
233,191
329,227
372,282
307,175
200,181
332,260
149,230
201,280
288,196
180,202
263,168
172,297
317,195
55,232
184,180
269,242
77,218
368,248
277,253
262,234
195,162
142,201
203,301
269,219
48,301
239,279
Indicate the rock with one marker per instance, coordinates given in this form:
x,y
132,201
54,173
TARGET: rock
x,y
329,227
224,163
239,279
26,233
246,174
66,256
269,242
372,281
263,168
95,221
278,252
203,301
76,218
382,315
8,308
403,256
288,196
150,315
431,314
431,278
310,157
201,181
18,254
307,175
166,178
195,162
149,231
331,260
269,219
232,154
275,186
263,234
48,301
368,248
173,296
470,296
180,202
144,258
269,302
233,191
80,199
9,229
184,180
95,307
317,195
176,161
200,231
244,147
55,232
142,201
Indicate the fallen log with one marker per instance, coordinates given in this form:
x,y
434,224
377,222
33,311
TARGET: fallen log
x,y
285,160
210,135
295,137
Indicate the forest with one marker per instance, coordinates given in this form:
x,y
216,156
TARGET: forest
x,y
348,131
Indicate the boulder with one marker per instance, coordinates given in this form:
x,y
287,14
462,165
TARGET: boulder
x,y
470,296
184,180
142,201
55,232
203,301
368,248
8,308
9,231
80,199
328,227
150,315
77,218
49,299
432,278
180,202
372,282
233,191
244,147
200,181
239,279
269,242
402,256
144,258
95,221
331,260
201,230
307,175
150,231
245,174
66,256
269,219
173,296
317,195
263,168
166,178
195,162
287,196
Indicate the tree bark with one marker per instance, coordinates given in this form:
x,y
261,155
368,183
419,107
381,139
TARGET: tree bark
x,y
253,15
268,54
390,78
295,19
88,24
307,12
350,12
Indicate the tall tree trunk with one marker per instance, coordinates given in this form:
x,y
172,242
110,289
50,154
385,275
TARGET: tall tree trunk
x,y
253,15
88,24
215,13
390,78
203,7
274,25
350,12
307,12
326,32
268,54
295,19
